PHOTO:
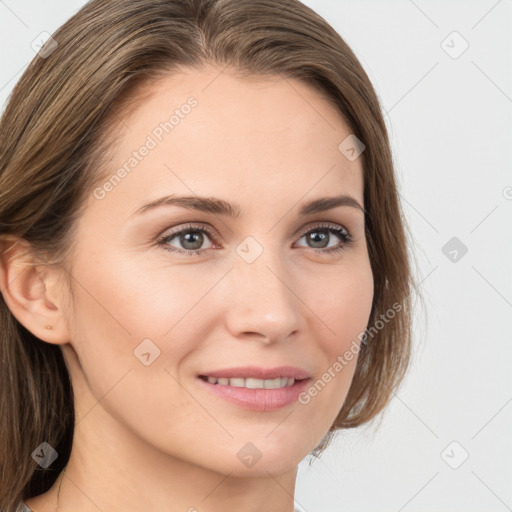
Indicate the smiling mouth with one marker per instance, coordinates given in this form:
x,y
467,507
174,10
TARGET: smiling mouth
x,y
251,393
252,383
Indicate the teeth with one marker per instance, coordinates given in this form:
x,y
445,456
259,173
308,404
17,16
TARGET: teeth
x,y
239,382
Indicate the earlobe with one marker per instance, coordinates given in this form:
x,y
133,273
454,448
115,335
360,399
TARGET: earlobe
x,y
31,291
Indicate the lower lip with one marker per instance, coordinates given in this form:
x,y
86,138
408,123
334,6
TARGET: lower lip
x,y
258,399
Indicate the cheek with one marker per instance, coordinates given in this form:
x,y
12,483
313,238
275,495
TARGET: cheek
x,y
122,306
129,297
343,308
343,305
123,300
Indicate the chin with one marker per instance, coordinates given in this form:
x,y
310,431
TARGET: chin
x,y
262,456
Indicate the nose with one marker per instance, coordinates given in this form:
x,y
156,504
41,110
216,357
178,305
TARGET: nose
x,y
260,301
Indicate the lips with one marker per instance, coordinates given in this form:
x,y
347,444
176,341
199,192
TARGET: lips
x,y
261,400
247,379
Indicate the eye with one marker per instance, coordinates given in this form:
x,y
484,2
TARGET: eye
x,y
192,237
321,235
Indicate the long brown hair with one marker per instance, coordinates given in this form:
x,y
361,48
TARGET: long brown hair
x,y
56,130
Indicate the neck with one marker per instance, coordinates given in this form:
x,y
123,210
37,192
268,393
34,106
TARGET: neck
x,y
103,475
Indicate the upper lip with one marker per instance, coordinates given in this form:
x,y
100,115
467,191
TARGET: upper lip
x,y
258,372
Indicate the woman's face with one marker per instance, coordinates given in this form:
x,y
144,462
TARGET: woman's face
x,y
262,288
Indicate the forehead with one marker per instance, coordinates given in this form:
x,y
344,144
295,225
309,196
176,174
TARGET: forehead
x,y
213,132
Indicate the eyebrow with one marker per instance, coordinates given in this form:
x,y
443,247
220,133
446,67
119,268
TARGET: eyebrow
x,y
221,207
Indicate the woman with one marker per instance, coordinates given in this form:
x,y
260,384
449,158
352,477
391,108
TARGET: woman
x,y
204,261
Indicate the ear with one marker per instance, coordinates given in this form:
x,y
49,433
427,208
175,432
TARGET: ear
x,y
33,291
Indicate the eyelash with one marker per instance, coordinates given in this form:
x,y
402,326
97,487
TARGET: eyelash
x,y
342,233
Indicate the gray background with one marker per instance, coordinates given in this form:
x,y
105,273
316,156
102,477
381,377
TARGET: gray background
x,y
449,116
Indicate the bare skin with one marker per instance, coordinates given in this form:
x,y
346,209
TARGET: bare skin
x,y
152,437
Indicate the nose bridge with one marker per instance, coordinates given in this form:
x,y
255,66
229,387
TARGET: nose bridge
x,y
261,297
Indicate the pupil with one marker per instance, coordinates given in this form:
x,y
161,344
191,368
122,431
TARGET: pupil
x,y
318,237
189,238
